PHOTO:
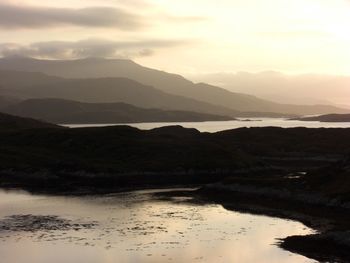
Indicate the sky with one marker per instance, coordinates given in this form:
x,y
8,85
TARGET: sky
x,y
186,37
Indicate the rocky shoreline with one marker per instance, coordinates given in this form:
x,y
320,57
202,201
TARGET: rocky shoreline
x,y
281,194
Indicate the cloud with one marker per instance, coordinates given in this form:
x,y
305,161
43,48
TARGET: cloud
x,y
183,19
14,16
37,17
88,48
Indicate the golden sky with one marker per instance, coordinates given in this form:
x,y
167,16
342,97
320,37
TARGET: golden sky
x,y
196,36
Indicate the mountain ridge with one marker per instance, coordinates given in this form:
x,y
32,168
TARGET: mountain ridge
x,y
167,82
109,90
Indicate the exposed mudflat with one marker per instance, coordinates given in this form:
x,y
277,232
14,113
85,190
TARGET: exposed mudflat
x,y
34,223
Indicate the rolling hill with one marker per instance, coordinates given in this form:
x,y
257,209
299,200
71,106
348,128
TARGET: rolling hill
x,y
10,123
69,112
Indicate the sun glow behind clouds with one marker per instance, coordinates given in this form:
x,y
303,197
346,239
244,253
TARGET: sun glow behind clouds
x,y
296,36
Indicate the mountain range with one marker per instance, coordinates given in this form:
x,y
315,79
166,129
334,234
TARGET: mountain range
x,y
98,80
26,85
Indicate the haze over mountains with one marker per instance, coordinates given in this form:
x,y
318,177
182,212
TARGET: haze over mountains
x,y
297,89
101,90
98,80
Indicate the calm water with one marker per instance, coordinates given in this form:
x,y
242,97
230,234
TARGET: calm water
x,y
214,126
138,227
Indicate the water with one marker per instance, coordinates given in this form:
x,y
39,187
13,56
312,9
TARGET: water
x,y
214,126
139,227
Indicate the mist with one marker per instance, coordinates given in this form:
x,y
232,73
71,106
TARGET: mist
x,y
284,88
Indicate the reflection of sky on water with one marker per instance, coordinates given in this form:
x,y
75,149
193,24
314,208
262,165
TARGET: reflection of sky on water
x,y
134,227
214,126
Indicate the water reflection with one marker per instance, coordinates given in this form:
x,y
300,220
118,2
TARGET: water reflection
x,y
138,227
214,126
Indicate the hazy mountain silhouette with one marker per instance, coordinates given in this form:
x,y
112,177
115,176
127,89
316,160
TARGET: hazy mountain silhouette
x,y
12,84
67,111
328,118
19,79
292,89
10,122
109,90
7,101
170,83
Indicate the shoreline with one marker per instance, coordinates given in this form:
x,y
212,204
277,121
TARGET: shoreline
x,y
330,243
328,221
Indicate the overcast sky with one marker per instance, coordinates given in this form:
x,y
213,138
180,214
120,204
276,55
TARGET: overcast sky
x,y
185,36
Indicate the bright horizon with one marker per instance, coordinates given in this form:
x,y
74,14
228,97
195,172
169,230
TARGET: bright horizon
x,y
203,36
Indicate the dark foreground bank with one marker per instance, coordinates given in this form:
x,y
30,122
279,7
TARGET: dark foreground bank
x,y
296,173
319,199
55,159
126,156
